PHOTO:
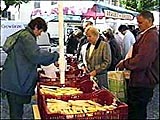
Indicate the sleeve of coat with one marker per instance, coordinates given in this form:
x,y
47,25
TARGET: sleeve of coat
x,y
146,53
106,51
34,54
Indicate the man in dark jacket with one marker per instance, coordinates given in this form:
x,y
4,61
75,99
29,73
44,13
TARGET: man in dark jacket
x,y
144,67
19,74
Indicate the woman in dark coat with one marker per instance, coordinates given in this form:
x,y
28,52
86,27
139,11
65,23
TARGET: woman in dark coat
x,y
115,49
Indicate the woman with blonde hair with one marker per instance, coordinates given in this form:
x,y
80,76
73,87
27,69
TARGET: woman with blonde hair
x,y
98,56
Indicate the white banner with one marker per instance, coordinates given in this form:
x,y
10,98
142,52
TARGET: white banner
x,y
117,15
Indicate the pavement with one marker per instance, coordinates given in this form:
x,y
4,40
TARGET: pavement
x,y
152,108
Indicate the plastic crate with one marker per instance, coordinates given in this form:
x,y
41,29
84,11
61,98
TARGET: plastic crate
x,y
72,61
84,85
49,83
69,75
82,81
121,112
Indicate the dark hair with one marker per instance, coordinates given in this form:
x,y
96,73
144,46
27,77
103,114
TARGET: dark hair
x,y
147,15
89,23
81,28
122,28
78,34
39,23
108,33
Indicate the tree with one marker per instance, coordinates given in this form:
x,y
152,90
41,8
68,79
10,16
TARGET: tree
x,y
139,5
16,3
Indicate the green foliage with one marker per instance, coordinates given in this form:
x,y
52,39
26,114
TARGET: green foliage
x,y
12,2
139,5
9,3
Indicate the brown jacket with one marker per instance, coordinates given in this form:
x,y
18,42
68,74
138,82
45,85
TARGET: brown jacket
x,y
144,63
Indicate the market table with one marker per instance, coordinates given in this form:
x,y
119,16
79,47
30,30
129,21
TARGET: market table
x,y
75,79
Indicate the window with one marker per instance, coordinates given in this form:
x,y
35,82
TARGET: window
x,y
36,4
53,2
7,14
13,17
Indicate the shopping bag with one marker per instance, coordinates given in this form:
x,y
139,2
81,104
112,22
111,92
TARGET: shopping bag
x,y
117,84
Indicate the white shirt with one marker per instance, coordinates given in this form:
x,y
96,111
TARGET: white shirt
x,y
148,29
91,49
128,40
83,53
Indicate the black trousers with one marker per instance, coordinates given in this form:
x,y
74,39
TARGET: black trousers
x,y
16,104
137,100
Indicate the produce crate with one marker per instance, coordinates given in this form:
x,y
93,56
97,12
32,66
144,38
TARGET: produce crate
x,y
101,96
69,75
71,61
83,84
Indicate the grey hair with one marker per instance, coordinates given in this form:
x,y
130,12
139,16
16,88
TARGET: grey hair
x,y
147,15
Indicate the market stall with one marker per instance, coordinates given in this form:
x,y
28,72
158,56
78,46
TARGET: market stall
x,y
72,94
78,95
102,15
77,89
108,11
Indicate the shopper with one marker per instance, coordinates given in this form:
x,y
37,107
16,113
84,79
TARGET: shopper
x,y
133,29
119,40
72,42
98,56
128,39
115,48
19,73
144,67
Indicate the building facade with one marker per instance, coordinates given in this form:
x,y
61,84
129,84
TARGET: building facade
x,y
25,11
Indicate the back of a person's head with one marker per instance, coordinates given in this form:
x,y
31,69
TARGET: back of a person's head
x,y
108,33
131,27
122,28
78,33
81,28
87,23
39,23
147,15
